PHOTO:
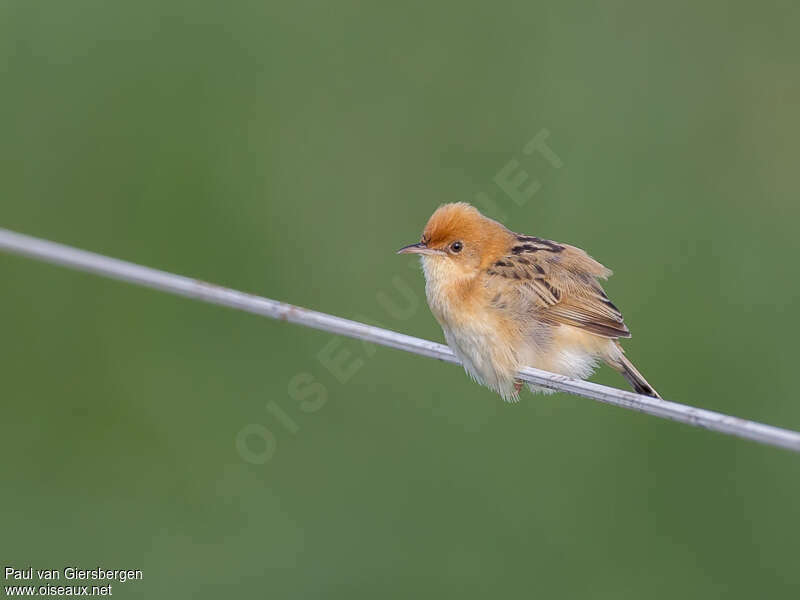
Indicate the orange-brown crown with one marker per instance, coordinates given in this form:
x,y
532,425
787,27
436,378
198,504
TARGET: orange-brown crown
x,y
463,222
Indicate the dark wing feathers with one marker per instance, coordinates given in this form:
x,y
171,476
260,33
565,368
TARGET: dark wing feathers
x,y
559,283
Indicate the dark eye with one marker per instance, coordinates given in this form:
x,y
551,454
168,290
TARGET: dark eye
x,y
456,246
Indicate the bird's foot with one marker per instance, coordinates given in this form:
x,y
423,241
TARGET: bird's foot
x,y
518,385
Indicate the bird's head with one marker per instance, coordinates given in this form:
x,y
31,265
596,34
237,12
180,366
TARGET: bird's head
x,y
458,237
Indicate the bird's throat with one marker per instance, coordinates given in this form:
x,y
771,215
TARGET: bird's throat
x,y
449,288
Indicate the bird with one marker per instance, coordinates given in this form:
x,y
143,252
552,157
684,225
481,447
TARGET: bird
x,y
506,300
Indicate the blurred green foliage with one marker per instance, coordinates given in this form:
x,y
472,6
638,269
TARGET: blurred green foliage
x,y
288,149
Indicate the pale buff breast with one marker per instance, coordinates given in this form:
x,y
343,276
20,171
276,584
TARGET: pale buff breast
x,y
485,341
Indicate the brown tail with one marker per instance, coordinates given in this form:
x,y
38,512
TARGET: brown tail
x,y
636,379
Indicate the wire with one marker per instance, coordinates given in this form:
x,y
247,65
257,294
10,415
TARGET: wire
x,y
82,260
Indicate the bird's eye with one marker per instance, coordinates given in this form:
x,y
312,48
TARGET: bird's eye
x,y
456,246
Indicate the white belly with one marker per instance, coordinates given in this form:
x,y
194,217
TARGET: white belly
x,y
487,361
477,347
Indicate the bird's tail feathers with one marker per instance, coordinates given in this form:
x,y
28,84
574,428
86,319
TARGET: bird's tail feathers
x,y
634,377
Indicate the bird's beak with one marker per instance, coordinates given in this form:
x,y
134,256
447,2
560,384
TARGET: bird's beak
x,y
419,248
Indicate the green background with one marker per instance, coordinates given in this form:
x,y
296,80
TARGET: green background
x,y
288,150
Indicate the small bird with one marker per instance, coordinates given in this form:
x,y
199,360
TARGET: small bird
x,y
506,301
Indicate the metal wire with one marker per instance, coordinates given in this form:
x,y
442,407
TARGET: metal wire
x,y
82,260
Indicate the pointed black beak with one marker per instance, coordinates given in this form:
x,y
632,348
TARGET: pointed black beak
x,y
418,248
